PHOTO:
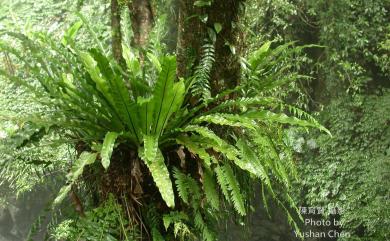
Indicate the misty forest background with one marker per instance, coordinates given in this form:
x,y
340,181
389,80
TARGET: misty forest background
x,y
317,69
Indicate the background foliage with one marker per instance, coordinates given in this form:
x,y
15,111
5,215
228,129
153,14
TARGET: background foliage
x,y
349,90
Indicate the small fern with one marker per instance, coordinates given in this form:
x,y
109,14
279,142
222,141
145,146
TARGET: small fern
x,y
200,83
210,189
234,188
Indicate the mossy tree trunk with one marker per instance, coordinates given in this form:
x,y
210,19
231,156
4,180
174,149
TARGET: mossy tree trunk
x,y
194,24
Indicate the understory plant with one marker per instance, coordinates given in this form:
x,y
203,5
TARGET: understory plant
x,y
171,154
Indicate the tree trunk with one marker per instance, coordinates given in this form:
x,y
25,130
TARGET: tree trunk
x,y
116,34
141,21
192,32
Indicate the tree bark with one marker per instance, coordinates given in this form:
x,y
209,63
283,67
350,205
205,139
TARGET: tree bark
x,y
116,34
192,32
141,21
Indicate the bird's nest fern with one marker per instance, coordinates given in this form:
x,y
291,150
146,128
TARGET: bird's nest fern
x,y
193,153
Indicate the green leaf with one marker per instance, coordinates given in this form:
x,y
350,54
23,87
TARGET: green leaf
x,y
174,217
266,115
236,196
154,160
168,96
233,120
70,34
119,94
248,155
202,3
195,148
259,55
62,194
154,60
182,185
212,34
133,64
85,159
223,183
211,140
156,235
107,148
210,189
101,83
217,27
199,83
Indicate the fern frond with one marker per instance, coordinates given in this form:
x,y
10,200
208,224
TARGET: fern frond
x,y
299,113
173,217
224,119
215,142
181,185
153,219
249,155
234,188
85,159
195,148
269,157
210,189
201,225
269,116
199,84
167,96
154,160
182,230
245,102
188,188
107,148
223,183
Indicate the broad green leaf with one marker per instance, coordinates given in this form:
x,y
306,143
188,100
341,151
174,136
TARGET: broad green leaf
x,y
168,96
146,114
101,83
62,194
259,54
85,159
154,160
120,97
107,148
154,60
217,27
133,64
70,34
